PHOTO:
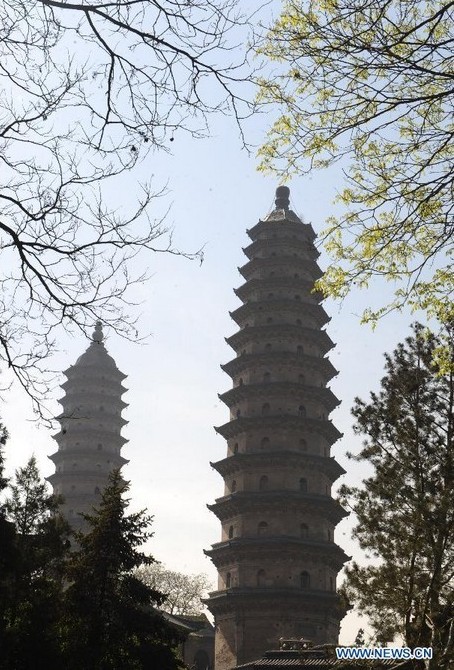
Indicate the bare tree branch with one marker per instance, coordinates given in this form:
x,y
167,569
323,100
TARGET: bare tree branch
x,y
88,90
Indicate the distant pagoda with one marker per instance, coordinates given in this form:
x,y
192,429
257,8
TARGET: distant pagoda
x,y
277,559
89,441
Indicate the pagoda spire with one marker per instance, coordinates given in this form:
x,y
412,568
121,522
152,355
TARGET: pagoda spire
x,y
97,333
277,559
282,197
89,440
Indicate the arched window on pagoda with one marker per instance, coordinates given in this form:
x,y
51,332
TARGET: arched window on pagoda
x,y
265,442
263,483
301,410
304,531
266,408
266,377
233,486
300,350
230,532
228,580
262,528
261,578
303,444
303,485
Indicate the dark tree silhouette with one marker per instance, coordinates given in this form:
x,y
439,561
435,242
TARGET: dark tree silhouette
x,y
111,618
33,582
404,509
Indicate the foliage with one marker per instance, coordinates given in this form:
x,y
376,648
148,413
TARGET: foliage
x,y
32,595
372,82
404,509
29,504
7,553
3,438
83,608
360,640
183,593
88,90
111,620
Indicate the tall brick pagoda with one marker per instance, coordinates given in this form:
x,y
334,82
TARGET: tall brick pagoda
x,y
89,441
277,559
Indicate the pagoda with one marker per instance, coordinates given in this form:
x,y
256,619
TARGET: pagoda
x,y
89,440
277,559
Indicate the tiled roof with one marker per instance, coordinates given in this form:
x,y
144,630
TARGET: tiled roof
x,y
321,663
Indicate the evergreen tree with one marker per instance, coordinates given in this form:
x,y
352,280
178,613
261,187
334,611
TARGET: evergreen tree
x,y
3,438
34,598
29,505
7,548
111,619
405,509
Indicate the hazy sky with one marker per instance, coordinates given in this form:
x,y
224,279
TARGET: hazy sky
x,y
173,380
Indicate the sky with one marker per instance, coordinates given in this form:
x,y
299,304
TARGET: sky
x,y
215,194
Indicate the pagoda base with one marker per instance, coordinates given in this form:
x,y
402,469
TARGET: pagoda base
x,y
248,624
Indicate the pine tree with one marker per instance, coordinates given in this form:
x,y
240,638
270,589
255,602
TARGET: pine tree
x,y
33,601
7,548
405,509
3,438
111,618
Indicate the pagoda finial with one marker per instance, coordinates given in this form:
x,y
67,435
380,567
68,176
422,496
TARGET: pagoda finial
x,y
97,333
282,197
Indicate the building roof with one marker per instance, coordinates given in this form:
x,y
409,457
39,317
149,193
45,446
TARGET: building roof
x,y
96,356
318,659
318,663
197,624
282,211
